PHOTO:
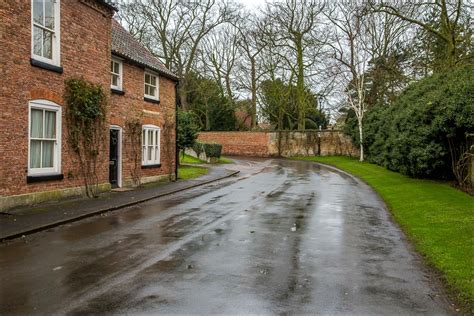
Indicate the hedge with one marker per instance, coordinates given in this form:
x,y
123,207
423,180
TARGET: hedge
x,y
211,150
411,135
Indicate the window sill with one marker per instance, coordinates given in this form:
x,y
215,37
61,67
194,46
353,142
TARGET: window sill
x,y
151,166
151,100
42,178
117,91
43,65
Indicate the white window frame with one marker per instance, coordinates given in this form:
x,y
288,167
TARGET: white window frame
x,y
155,158
120,74
49,106
157,87
56,37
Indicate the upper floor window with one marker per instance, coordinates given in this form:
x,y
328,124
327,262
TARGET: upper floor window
x,y
44,137
151,86
45,31
116,70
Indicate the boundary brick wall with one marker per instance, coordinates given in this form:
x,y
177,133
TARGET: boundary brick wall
x,y
282,143
239,143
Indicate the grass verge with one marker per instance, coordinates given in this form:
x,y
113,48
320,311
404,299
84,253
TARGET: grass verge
x,y
224,160
193,160
190,172
437,218
190,159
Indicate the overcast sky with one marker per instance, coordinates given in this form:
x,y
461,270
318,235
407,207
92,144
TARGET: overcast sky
x,y
252,4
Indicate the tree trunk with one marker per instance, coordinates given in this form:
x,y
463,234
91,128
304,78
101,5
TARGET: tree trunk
x,y
254,94
280,120
229,89
208,122
361,140
451,52
183,95
300,97
449,36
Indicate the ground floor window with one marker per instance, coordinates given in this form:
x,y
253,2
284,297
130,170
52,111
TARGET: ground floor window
x,y
44,137
150,145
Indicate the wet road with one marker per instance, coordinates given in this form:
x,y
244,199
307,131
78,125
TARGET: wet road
x,y
295,237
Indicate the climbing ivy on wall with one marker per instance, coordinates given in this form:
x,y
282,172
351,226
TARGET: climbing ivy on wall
x,y
86,108
133,127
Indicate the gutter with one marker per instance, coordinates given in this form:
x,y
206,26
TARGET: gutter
x,y
142,65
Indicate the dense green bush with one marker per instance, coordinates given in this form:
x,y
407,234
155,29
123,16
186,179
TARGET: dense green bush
x,y
187,129
214,110
222,116
198,148
211,150
411,135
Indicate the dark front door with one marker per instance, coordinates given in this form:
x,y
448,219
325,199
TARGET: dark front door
x,y
114,157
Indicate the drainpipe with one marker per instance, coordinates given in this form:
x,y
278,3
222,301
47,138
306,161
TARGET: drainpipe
x,y
176,132
319,141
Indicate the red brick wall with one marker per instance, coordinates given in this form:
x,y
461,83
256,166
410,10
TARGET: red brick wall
x,y
285,143
131,104
85,51
239,143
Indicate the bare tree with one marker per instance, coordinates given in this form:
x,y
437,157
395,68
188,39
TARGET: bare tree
x,y
387,40
350,52
202,90
291,26
272,69
219,57
450,13
131,17
251,43
179,27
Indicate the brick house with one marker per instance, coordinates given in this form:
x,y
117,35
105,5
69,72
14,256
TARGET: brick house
x,y
45,42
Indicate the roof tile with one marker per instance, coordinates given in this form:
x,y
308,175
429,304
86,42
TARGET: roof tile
x,y
126,46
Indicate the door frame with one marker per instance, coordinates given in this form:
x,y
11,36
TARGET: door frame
x,y
119,158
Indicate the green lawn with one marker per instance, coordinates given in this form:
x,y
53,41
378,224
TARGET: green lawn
x,y
193,160
438,219
190,159
224,160
190,172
